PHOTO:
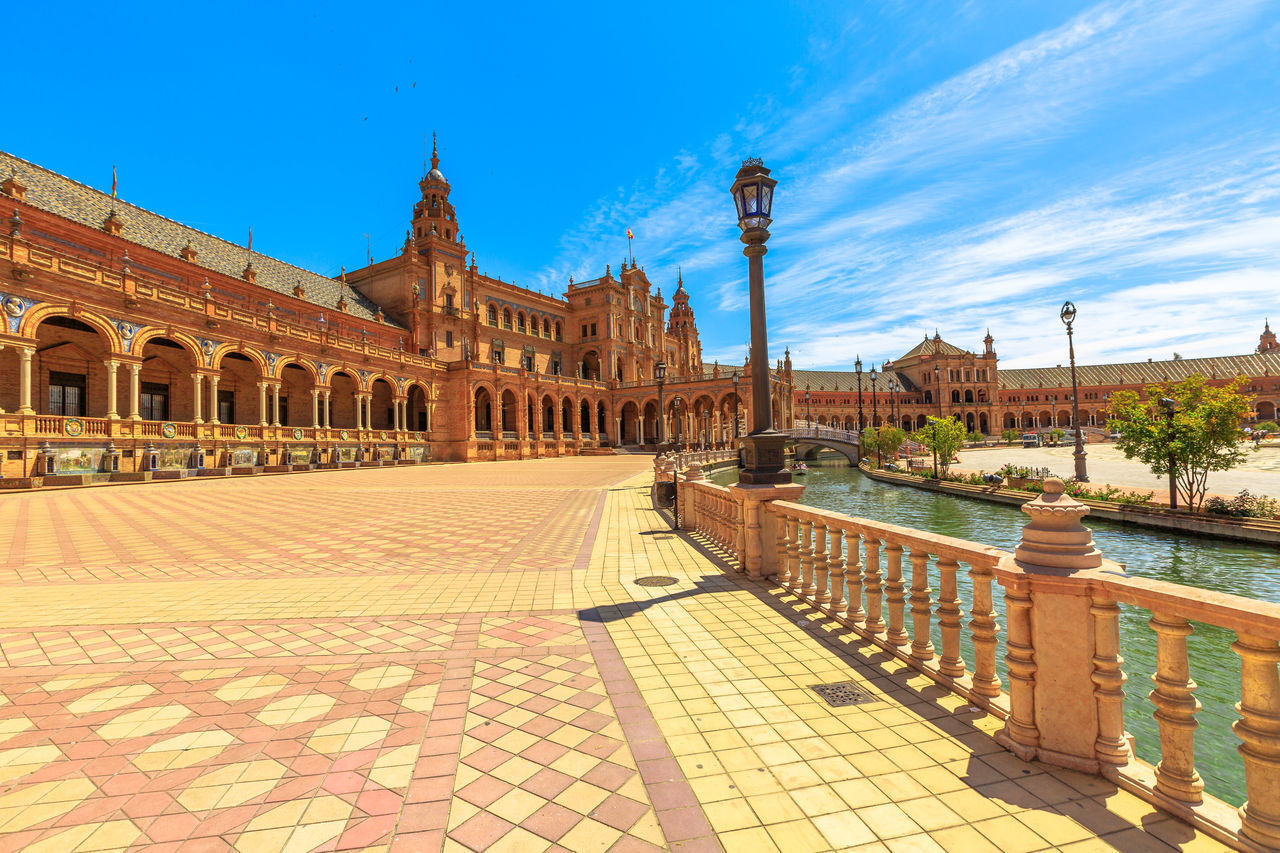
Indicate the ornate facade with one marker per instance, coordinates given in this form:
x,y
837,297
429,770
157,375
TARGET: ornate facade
x,y
135,346
940,379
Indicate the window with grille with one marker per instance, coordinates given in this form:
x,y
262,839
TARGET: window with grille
x,y
154,402
66,394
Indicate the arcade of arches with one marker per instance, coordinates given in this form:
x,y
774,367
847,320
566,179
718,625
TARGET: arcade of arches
x,y
936,378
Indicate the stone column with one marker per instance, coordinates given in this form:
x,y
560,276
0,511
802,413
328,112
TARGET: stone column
x,y
359,400
640,429
198,386
275,404
112,367
1053,649
315,408
368,420
213,398
328,410
262,404
135,392
617,426
24,380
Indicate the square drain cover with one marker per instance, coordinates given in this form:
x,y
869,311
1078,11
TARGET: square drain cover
x,y
842,693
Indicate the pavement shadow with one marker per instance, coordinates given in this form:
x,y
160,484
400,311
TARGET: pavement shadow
x,y
624,610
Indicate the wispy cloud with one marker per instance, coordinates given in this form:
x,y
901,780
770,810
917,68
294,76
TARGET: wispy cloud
x,y
984,199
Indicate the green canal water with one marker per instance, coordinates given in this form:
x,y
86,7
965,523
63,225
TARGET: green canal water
x,y
1242,569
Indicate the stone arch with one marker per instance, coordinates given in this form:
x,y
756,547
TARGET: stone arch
x,y
521,326
584,417
69,375
344,384
482,397
590,367
296,384
1266,410
602,419
968,395
1045,419
1064,418
166,389
382,391
304,364
630,415
566,416
417,405
38,314
237,400
507,322
509,413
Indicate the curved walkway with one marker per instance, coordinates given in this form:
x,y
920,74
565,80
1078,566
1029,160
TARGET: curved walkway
x,y
457,657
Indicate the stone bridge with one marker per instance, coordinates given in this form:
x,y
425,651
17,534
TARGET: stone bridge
x,y
810,439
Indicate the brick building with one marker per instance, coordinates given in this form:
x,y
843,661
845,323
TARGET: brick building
x,y
132,342
940,379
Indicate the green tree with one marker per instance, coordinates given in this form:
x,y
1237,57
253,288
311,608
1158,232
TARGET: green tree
x,y
870,443
890,438
944,436
1010,436
977,436
1204,434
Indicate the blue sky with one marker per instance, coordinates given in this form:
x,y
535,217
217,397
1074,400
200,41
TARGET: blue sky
x,y
948,165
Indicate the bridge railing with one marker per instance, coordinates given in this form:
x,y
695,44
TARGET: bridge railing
x,y
901,589
825,433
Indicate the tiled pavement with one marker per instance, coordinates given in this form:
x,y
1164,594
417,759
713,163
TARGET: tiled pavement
x,y
457,658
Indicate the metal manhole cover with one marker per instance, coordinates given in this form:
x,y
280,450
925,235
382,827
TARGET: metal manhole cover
x,y
655,580
842,693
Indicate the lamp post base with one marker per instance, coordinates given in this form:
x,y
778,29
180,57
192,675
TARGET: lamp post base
x,y
1082,475
765,459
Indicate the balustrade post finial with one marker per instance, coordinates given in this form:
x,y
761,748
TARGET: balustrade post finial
x,y
1055,539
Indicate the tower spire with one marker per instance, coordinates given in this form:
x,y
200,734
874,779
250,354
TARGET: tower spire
x,y
435,154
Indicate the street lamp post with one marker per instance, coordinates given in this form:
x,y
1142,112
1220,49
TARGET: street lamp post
x,y
1068,316
1170,409
857,368
893,400
874,410
752,192
808,410
706,428
675,404
660,373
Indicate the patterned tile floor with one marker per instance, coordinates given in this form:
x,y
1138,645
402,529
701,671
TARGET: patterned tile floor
x,y
457,658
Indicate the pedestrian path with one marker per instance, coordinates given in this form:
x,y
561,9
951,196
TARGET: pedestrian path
x,y
460,658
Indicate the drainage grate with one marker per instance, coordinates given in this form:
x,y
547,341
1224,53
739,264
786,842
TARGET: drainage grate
x,y
842,693
655,580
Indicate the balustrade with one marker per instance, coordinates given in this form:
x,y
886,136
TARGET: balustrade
x,y
847,581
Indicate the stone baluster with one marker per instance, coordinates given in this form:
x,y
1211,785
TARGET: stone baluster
x,y
793,553
783,525
921,606
800,584
820,589
1020,733
983,627
949,662
835,568
894,592
1112,746
853,577
871,579
1176,710
1259,729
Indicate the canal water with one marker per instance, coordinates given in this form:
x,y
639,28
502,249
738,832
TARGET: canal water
x,y
1238,568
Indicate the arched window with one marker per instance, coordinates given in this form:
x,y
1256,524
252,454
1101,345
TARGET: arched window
x,y
559,333
928,396
493,315
955,396
968,395
546,327
506,318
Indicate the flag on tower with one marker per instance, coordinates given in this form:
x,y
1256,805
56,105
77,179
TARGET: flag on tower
x,y
250,238
629,234
113,180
